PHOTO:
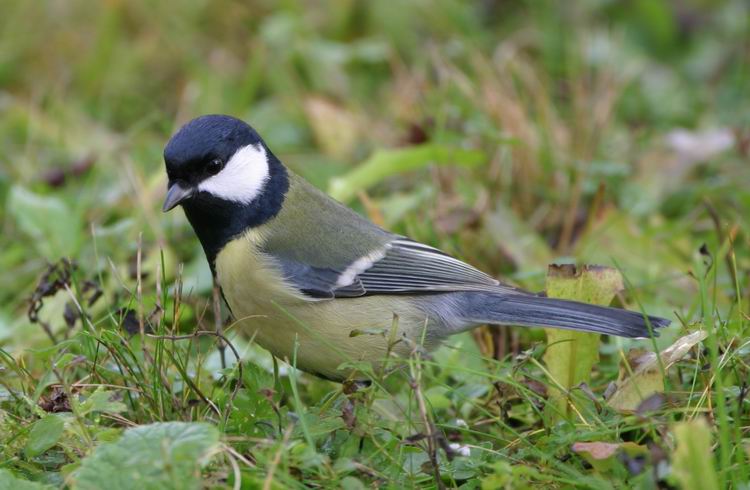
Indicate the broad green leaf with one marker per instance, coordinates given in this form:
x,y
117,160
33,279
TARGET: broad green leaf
x,y
692,463
155,456
101,401
47,220
9,481
570,356
646,378
44,434
384,163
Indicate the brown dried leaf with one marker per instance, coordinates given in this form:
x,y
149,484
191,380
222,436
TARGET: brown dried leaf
x,y
596,450
601,455
56,402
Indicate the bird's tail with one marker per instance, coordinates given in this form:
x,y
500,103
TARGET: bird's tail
x,y
539,311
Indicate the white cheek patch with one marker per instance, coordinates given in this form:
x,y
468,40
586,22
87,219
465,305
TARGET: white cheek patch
x,y
243,177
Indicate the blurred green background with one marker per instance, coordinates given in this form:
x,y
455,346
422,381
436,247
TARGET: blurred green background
x,y
646,99
596,131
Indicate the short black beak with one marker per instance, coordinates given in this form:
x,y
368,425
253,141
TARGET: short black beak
x,y
175,195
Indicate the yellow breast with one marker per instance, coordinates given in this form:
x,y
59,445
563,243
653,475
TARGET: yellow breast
x,y
277,316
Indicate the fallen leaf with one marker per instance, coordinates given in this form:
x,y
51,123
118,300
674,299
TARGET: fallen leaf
x,y
57,401
650,404
601,455
536,386
646,379
596,450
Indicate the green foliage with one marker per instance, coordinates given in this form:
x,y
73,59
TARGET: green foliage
x,y
44,434
10,481
47,221
693,466
101,401
510,134
161,455
386,163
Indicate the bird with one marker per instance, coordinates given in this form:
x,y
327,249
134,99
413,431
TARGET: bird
x,y
319,285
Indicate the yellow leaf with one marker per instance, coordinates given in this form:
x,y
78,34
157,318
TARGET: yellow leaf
x,y
570,356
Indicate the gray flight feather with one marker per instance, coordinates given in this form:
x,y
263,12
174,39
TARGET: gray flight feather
x,y
402,266
463,310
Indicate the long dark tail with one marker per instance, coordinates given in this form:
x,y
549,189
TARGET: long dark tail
x,y
539,311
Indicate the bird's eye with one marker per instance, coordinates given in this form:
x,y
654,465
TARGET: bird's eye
x,y
214,166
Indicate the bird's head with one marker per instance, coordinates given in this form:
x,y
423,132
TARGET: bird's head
x,y
225,178
215,158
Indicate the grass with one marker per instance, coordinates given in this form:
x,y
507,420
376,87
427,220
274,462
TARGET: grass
x,y
511,135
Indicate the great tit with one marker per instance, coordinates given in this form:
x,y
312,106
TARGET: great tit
x,y
302,273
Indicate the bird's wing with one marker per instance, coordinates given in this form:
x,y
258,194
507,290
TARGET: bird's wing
x,y
401,266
